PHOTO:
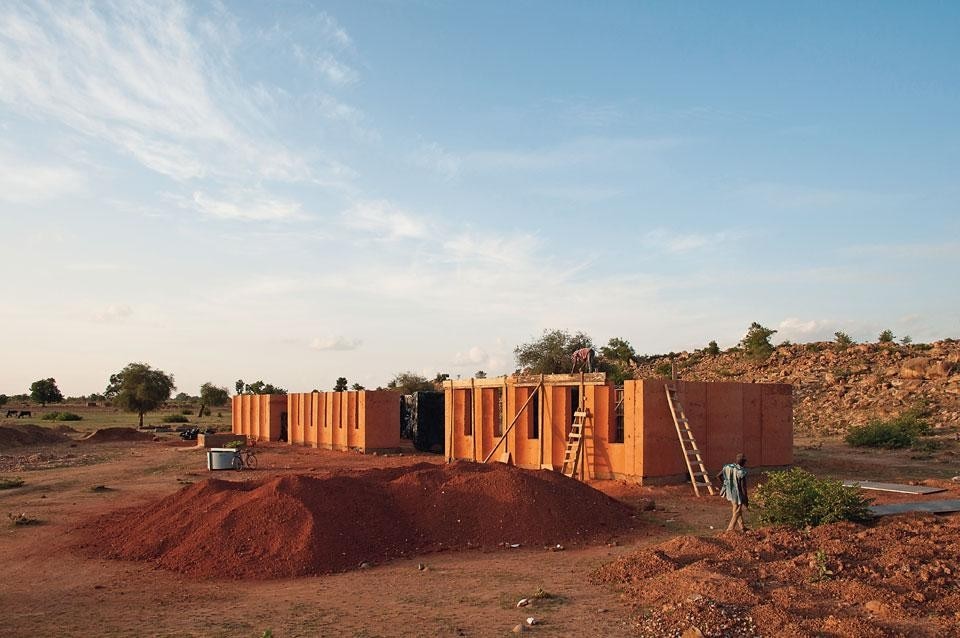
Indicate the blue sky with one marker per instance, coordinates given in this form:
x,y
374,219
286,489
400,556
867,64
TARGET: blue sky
x,y
300,191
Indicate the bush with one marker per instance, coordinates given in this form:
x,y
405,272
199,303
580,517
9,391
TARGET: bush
x,y
61,416
664,369
886,337
901,432
175,418
799,499
756,343
843,340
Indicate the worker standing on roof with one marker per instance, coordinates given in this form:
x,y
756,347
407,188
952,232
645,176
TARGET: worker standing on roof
x,y
733,477
584,358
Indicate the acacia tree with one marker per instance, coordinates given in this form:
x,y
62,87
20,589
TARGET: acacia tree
x,y
550,354
44,391
409,382
617,358
212,395
259,387
139,388
356,387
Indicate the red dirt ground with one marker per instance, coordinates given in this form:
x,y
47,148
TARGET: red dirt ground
x,y
899,577
298,525
115,435
18,435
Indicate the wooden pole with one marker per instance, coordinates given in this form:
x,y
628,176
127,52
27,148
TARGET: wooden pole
x,y
473,421
540,427
448,405
514,422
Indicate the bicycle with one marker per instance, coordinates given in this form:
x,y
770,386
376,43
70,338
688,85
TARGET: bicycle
x,y
244,458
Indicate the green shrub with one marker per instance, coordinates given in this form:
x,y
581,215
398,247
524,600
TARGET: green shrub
x,y
843,340
901,432
713,349
886,337
61,416
664,369
799,499
175,418
756,343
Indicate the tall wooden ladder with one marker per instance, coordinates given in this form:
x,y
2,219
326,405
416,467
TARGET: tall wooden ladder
x,y
688,444
573,454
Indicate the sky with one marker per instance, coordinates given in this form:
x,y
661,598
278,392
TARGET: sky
x,y
298,191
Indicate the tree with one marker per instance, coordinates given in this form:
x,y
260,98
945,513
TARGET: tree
x,y
212,395
713,349
440,378
44,391
843,340
3,400
262,388
139,388
906,340
550,354
409,382
756,343
340,385
886,336
480,374
616,359
238,386
356,387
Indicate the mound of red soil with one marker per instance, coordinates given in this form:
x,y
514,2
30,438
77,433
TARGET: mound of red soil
x,y
299,524
26,434
900,577
113,435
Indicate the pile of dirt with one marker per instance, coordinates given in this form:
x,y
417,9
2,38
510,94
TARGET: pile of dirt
x,y
835,386
17,435
114,435
899,577
298,525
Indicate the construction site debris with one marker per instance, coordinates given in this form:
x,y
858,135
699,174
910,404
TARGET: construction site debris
x,y
297,525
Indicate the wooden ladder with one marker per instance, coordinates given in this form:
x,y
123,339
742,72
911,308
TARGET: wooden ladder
x,y
688,444
574,452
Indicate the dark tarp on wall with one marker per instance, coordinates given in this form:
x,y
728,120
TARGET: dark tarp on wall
x,y
421,420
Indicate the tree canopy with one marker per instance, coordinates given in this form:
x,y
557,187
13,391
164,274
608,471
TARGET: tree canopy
x,y
3,399
212,395
550,354
409,382
756,343
260,387
140,388
44,391
341,385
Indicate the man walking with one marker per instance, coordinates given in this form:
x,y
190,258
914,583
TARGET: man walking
x,y
733,477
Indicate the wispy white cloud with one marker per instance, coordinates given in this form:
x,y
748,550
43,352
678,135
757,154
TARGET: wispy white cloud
x,y
433,157
383,220
249,205
475,356
24,182
155,81
112,313
336,343
663,240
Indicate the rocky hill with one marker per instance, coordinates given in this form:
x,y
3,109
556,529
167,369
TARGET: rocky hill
x,y
836,386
